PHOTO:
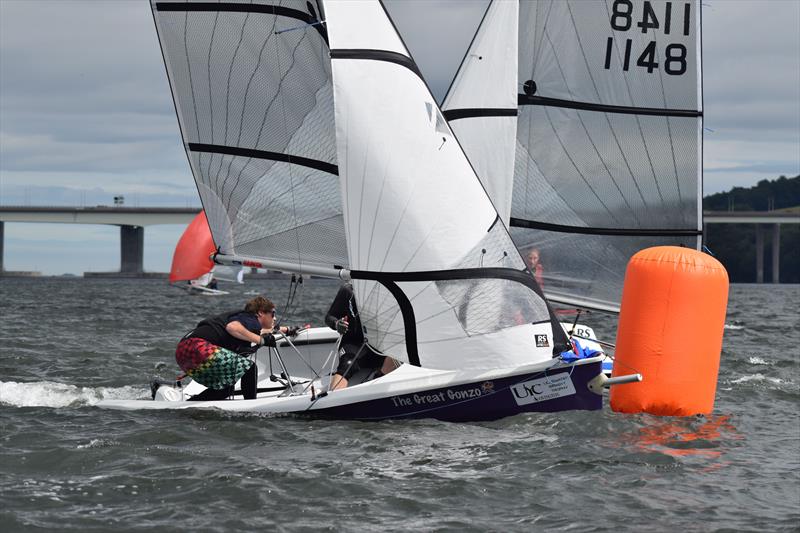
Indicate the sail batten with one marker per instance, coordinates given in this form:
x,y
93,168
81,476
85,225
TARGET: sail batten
x,y
524,99
263,154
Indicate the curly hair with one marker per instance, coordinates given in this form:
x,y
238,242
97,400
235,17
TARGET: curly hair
x,y
259,303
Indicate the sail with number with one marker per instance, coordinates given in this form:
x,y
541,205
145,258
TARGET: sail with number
x,y
609,138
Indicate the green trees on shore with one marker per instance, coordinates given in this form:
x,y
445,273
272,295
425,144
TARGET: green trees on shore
x,y
734,244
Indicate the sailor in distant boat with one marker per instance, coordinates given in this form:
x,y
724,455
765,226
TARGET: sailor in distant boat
x,y
355,352
536,266
212,284
215,353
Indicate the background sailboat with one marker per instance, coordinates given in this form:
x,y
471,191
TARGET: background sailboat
x,y
608,134
192,262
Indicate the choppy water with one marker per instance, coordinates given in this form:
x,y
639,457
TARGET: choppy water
x,y
65,465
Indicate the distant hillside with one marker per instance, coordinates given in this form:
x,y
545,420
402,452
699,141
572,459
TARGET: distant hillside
x,y
734,244
765,196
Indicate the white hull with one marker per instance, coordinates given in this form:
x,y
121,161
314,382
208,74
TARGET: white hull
x,y
408,391
205,291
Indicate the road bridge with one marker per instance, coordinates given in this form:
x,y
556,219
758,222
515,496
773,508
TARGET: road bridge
x,y
762,219
131,221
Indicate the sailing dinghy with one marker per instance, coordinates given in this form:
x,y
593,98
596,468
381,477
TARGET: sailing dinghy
x,y
604,98
318,148
192,264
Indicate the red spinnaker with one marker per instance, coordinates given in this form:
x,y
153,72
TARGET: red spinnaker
x,y
192,254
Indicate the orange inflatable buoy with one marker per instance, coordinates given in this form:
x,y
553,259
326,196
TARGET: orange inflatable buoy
x,y
670,330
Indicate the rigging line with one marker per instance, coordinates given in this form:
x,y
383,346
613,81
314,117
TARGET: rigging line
x,y
585,129
211,95
638,121
291,167
608,120
244,107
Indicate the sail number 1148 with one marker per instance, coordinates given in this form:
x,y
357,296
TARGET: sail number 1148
x,y
622,20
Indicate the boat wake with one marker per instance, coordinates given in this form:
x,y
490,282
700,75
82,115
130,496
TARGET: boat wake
x,y
53,394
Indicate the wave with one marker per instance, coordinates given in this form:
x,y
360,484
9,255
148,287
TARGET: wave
x,y
53,394
757,377
734,327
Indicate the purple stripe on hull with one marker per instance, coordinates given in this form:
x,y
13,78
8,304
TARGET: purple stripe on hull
x,y
546,392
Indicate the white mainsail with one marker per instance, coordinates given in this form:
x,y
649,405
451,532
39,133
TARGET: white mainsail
x,y
255,106
412,204
609,138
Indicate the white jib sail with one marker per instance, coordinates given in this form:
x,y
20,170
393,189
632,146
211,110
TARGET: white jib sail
x,y
412,203
481,105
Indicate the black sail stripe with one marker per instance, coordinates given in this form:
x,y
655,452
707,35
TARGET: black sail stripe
x,y
524,99
632,232
377,55
266,9
470,112
263,154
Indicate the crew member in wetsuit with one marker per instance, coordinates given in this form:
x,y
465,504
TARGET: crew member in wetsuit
x,y
215,353
355,351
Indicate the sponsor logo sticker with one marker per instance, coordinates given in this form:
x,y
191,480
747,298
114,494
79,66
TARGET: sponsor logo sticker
x,y
541,341
543,389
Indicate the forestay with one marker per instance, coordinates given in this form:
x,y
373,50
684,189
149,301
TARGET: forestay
x,y
255,107
437,278
608,156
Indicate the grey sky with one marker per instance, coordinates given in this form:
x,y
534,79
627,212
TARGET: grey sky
x,y
86,114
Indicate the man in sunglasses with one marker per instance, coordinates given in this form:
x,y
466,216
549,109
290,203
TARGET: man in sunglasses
x,y
215,353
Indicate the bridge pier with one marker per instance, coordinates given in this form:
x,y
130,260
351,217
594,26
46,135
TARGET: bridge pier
x,y
131,250
776,253
759,254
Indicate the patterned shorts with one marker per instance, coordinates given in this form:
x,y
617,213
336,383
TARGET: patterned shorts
x,y
210,365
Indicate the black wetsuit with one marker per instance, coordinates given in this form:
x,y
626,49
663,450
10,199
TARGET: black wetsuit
x,y
357,353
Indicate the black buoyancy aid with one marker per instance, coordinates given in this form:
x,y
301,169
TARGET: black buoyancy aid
x,y
213,330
